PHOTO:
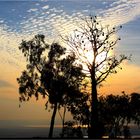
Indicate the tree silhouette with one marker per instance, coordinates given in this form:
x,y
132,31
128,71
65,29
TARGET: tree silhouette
x,y
66,105
93,39
49,73
79,109
70,131
78,105
117,111
135,108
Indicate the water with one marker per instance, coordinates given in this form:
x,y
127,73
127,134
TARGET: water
x,y
42,132
27,132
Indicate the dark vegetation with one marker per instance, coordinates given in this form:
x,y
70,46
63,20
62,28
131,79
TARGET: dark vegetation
x,y
63,79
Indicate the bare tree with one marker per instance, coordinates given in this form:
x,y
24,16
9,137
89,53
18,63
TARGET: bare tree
x,y
93,45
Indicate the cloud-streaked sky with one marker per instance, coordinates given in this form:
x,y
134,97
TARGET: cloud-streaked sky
x,y
23,19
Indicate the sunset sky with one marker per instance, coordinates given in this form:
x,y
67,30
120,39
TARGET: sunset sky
x,y
24,19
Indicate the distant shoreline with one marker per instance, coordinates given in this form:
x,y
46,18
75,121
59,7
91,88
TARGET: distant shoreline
x,y
42,133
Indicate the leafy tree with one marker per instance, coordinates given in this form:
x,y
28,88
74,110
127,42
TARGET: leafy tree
x,y
70,131
135,108
117,111
49,73
80,110
93,39
77,106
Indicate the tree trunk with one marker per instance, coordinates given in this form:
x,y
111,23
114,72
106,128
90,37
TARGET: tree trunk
x,y
94,128
63,121
52,121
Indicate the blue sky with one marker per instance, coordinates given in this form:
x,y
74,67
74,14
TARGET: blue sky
x,y
23,19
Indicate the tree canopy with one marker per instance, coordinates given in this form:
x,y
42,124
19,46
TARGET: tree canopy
x,y
49,73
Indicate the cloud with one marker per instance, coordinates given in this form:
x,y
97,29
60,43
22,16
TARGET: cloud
x,y
45,7
32,10
1,21
58,20
122,12
55,21
4,83
9,52
118,2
